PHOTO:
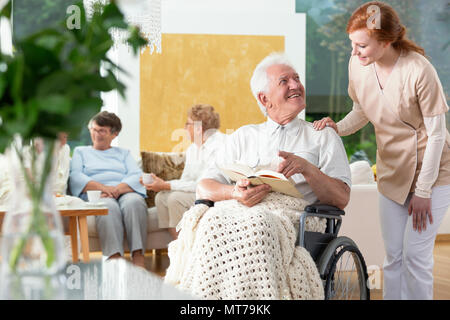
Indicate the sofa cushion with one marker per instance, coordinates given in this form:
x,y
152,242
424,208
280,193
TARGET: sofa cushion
x,y
167,166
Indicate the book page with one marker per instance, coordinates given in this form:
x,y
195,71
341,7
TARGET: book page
x,y
279,185
241,169
270,174
276,180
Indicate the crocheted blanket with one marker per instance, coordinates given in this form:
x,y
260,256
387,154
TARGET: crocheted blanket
x,y
231,251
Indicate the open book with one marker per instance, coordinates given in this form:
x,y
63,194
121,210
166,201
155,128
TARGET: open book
x,y
276,180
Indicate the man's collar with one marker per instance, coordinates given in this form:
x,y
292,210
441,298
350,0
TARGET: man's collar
x,y
292,127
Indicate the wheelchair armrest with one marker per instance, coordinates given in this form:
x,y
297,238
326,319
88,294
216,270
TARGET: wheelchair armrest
x,y
331,213
324,209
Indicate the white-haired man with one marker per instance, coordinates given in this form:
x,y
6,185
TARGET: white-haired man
x,y
316,160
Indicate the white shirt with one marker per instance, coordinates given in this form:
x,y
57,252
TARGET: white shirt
x,y
197,160
62,166
257,146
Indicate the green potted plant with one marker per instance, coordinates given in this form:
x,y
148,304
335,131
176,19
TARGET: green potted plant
x,y
50,84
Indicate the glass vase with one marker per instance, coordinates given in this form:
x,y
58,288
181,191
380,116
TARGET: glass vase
x,y
32,251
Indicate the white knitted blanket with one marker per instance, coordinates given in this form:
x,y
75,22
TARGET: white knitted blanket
x,y
231,251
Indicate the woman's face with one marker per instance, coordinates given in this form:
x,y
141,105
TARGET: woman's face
x,y
101,136
195,130
366,48
189,126
62,137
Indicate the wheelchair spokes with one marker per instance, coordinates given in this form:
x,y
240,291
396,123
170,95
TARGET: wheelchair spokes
x,y
346,278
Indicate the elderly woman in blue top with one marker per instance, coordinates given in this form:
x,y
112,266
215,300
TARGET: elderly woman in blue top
x,y
113,171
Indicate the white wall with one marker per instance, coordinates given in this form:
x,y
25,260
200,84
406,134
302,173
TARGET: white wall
x,y
240,17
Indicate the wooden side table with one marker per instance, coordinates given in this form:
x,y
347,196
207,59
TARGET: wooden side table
x,y
77,216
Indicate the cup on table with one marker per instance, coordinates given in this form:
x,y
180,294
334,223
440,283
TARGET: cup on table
x,y
94,195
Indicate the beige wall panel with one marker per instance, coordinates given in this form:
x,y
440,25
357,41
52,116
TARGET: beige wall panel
x,y
213,69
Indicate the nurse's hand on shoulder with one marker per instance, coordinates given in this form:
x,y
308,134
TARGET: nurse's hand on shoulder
x,y
325,122
420,208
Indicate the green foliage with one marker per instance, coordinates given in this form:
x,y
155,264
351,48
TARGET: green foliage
x,y
363,139
52,84
328,52
53,81
32,15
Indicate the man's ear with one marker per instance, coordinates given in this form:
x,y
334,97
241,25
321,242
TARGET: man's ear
x,y
263,99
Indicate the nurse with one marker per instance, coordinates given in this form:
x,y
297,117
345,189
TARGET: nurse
x,y
395,87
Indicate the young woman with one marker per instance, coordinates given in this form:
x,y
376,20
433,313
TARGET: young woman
x,y
395,87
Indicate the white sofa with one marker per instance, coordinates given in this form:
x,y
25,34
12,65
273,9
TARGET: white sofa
x,y
156,238
361,223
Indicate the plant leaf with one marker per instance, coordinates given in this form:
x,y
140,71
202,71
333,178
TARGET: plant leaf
x,y
55,104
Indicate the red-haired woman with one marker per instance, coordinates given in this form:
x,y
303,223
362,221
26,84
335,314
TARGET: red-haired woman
x,y
397,89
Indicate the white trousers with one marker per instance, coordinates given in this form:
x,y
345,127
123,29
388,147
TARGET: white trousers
x,y
171,205
408,265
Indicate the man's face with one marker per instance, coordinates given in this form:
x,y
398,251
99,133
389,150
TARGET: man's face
x,y
285,97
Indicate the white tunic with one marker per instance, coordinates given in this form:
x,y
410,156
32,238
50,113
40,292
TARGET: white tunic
x,y
257,146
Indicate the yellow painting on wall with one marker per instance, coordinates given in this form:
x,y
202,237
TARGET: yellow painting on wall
x,y
193,68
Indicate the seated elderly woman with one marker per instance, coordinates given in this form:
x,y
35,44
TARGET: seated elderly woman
x,y
113,171
175,197
238,241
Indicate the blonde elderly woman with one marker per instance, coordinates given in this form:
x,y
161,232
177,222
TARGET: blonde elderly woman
x,y
174,197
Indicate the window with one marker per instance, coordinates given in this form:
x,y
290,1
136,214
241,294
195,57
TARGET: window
x,y
328,51
30,16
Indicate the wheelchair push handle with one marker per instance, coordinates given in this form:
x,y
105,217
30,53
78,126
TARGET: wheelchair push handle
x,y
324,209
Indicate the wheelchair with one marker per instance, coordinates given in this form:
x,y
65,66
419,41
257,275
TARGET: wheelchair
x,y
340,263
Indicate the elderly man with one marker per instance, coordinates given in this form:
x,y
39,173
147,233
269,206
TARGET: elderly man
x,y
244,247
316,160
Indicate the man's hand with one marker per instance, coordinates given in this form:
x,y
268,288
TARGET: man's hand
x,y
292,164
157,185
249,196
420,208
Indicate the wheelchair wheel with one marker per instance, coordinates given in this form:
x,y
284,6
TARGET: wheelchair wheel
x,y
346,273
